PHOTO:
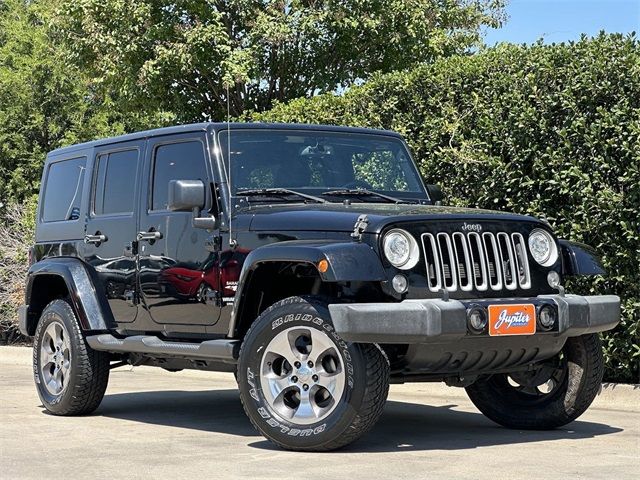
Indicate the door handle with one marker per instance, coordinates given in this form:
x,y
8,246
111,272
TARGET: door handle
x,y
96,239
150,236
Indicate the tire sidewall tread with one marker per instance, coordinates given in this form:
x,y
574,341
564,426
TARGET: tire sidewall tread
x,y
89,372
366,382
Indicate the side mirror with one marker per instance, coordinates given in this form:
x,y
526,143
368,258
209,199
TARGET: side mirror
x,y
435,194
185,195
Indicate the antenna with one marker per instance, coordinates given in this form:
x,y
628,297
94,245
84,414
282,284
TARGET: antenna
x,y
232,242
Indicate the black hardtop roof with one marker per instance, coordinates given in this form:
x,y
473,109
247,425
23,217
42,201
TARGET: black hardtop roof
x,y
214,126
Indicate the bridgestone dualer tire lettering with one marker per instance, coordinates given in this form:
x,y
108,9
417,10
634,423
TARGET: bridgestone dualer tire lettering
x,y
365,392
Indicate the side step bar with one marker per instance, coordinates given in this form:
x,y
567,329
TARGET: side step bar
x,y
226,351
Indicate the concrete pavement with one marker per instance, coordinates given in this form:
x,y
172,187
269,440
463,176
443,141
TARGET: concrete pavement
x,y
156,424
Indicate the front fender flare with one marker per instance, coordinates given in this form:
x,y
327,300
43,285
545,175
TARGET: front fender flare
x,y
348,262
580,259
85,293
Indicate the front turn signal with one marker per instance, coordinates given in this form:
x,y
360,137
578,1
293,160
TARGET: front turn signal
x,y
323,266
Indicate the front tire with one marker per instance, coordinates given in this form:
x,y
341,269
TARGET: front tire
x,y
70,376
556,393
302,386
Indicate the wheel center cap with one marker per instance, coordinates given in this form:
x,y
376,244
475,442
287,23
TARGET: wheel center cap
x,y
304,373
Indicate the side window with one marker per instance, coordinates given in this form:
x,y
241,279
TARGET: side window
x,y
63,191
115,183
176,161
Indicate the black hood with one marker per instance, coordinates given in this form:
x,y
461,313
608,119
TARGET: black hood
x,y
337,217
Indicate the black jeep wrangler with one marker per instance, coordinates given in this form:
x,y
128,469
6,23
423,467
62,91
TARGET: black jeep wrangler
x,y
313,263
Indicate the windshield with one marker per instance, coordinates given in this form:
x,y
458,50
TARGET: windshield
x,y
320,161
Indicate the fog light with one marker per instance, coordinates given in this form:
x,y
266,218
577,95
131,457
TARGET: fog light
x,y
553,279
547,317
400,283
477,319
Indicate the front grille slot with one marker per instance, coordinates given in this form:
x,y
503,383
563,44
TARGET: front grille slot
x,y
434,275
493,261
447,260
480,277
522,263
461,261
508,257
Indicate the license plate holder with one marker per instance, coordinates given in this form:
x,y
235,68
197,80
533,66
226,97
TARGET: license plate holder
x,y
512,319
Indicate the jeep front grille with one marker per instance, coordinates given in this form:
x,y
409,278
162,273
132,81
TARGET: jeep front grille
x,y
484,261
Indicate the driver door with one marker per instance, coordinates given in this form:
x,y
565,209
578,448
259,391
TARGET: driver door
x,y
175,269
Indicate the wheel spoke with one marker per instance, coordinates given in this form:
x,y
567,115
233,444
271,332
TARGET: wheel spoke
x,y
320,345
58,340
46,372
66,366
284,345
332,382
306,409
52,385
46,357
49,338
277,383
283,406
58,377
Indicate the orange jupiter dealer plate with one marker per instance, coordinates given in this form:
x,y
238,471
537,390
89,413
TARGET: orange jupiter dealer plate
x,y
512,319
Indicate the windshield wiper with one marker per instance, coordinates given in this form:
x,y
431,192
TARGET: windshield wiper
x,y
359,192
256,192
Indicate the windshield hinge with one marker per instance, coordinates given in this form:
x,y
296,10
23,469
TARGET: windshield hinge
x,y
359,227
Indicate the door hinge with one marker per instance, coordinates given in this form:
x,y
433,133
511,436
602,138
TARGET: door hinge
x,y
214,298
131,249
213,243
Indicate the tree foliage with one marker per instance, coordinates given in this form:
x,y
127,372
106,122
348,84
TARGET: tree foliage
x,y
547,130
45,100
180,56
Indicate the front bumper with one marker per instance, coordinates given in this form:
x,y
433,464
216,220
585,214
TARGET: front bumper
x,y
440,321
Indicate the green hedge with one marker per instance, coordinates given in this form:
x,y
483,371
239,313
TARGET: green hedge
x,y
549,130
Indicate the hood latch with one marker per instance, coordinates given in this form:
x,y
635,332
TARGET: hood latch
x,y
359,227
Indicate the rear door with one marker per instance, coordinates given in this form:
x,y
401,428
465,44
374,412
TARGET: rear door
x,y
112,225
175,269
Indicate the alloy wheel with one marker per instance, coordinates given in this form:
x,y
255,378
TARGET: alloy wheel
x,y
302,375
55,358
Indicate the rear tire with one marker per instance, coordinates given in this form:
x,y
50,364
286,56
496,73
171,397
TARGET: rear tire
x,y
519,400
70,376
302,386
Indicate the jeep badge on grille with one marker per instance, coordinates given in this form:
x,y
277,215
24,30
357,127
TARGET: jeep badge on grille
x,y
471,227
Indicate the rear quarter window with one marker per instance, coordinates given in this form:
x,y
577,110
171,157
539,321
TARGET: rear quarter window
x,y
63,190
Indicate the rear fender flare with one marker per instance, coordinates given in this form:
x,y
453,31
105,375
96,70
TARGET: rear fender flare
x,y
85,293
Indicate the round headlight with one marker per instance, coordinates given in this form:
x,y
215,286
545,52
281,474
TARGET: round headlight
x,y
542,247
401,249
